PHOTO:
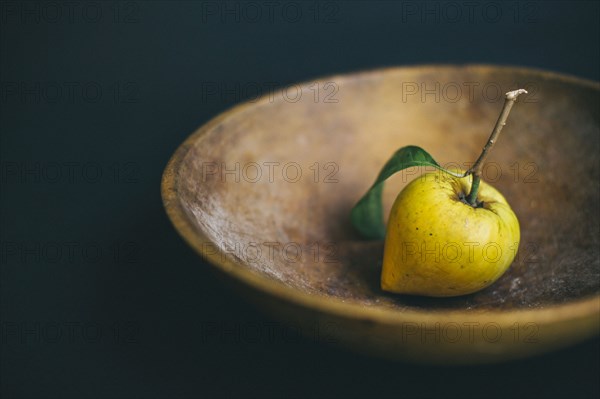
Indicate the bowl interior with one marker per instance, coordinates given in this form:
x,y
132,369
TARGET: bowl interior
x,y
269,185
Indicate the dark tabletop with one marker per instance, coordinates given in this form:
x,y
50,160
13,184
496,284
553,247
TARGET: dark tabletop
x,y
100,297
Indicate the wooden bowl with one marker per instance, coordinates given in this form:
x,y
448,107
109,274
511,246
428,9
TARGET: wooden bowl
x,y
264,190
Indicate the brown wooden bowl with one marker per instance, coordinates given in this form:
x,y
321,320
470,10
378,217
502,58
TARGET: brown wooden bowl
x,y
264,190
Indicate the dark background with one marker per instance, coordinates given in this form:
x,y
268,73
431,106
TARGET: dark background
x,y
99,295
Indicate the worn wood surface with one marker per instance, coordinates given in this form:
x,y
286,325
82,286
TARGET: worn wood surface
x,y
235,192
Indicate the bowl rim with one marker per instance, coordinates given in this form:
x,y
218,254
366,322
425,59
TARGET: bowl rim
x,y
586,308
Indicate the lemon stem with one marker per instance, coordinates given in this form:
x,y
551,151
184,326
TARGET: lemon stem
x,y
476,169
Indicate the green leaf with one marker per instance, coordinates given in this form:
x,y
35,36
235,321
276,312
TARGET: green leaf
x,y
367,214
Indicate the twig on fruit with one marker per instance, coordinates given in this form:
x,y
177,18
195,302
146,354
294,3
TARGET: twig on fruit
x,y
476,169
